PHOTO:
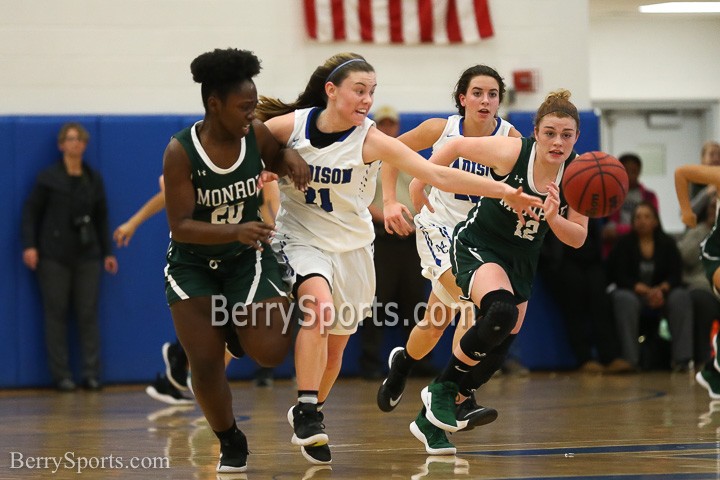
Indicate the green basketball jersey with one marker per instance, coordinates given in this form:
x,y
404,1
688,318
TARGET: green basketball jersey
x,y
711,245
497,224
222,196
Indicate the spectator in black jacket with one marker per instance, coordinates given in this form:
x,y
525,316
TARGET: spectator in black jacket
x,y
66,240
576,279
646,268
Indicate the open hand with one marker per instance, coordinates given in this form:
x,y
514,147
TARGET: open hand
x,y
396,215
523,204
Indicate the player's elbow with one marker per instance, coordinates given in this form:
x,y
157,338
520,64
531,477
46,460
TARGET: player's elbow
x,y
577,241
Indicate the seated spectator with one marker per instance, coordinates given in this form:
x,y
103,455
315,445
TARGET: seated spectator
x,y
620,222
646,268
576,280
706,306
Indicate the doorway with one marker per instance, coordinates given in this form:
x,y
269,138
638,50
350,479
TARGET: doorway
x,y
664,138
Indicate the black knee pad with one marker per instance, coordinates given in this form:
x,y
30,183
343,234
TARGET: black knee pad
x,y
499,317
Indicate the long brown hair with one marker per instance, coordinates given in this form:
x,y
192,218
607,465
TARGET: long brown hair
x,y
335,70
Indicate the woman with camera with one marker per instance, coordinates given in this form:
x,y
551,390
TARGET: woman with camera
x,y
66,240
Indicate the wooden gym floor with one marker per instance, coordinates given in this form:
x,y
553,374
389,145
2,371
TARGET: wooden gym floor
x,y
551,425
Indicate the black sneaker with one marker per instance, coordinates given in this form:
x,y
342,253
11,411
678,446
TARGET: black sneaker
x,y
475,415
233,455
319,455
164,391
232,343
391,390
176,368
307,425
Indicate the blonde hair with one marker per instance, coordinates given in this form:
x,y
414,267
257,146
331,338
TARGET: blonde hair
x,y
335,69
557,103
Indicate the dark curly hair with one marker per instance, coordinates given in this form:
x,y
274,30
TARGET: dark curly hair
x,y
220,71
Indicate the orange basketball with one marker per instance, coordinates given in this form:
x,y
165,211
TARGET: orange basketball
x,y
595,184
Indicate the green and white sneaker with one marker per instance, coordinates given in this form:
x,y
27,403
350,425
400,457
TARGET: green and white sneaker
x,y
709,379
439,400
434,439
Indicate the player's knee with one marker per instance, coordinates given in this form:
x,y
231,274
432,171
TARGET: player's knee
x,y
500,314
271,358
268,351
318,315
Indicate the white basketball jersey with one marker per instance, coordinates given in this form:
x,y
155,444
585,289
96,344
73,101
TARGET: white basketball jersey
x,y
451,208
333,214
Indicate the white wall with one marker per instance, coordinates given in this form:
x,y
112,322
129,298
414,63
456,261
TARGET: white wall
x,y
662,59
133,56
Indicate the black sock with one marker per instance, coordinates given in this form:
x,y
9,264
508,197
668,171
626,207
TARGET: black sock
x,y
405,362
483,371
226,436
454,371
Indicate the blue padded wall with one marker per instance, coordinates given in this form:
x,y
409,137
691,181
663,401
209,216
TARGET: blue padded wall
x,y
135,320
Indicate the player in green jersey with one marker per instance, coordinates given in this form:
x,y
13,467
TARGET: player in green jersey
x,y
494,254
220,267
709,376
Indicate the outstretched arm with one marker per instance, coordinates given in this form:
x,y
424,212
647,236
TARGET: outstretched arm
x,y
392,151
702,174
125,232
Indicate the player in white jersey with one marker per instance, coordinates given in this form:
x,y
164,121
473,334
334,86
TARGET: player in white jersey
x,y
325,236
478,95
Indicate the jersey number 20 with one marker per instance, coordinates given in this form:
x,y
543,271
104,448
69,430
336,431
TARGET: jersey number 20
x,y
228,214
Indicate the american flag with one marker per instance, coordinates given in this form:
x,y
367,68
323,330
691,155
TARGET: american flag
x,y
398,21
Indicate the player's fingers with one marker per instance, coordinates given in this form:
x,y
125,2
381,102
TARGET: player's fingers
x,y
404,228
532,214
426,202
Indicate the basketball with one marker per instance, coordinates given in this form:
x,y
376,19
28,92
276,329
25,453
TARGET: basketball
x,y
595,184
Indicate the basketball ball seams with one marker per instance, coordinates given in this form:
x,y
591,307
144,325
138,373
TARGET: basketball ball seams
x,y
594,184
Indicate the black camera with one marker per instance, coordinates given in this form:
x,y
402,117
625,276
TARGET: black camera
x,y
83,224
